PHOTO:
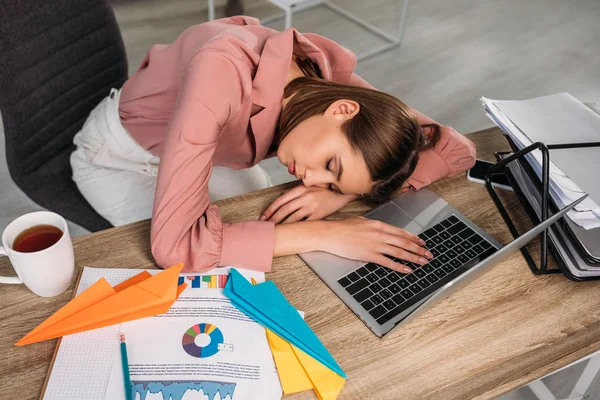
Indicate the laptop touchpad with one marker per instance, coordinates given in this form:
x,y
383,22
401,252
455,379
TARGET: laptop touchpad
x,y
393,215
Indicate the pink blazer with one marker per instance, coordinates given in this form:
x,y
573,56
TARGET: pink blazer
x,y
213,97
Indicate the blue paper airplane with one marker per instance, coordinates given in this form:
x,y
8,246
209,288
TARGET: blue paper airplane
x,y
268,306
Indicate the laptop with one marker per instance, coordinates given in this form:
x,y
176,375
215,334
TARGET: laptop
x,y
383,298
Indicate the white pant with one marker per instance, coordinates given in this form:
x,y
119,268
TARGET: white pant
x,y
118,177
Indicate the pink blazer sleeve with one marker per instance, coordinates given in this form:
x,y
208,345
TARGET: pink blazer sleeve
x,y
185,226
453,154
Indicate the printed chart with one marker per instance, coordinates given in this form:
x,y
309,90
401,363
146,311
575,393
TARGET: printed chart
x,y
204,281
181,390
215,336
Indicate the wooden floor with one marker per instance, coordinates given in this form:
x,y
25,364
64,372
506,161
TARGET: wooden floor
x,y
453,53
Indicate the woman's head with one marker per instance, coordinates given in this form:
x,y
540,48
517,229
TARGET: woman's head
x,y
368,139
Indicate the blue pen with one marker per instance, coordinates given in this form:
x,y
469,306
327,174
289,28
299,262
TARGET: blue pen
x,y
125,364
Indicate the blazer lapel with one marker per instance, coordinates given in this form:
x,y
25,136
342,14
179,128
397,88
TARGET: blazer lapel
x,y
271,77
267,89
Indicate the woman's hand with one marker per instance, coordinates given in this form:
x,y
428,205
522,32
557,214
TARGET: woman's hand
x,y
305,203
368,240
357,238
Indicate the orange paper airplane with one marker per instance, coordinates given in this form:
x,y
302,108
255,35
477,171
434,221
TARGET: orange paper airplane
x,y
143,295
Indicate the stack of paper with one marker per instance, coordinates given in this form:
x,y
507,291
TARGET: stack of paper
x,y
557,119
569,255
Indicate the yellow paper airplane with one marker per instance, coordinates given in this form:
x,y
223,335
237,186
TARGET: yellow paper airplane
x,y
299,372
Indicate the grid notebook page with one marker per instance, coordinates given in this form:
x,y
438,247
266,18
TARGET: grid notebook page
x,y
84,360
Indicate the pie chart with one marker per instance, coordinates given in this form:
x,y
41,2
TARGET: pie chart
x,y
189,340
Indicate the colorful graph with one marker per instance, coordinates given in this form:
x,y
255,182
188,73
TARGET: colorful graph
x,y
189,340
205,281
174,390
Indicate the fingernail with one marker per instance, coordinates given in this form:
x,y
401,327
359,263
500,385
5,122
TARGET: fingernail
x,y
407,270
429,255
262,218
423,260
422,242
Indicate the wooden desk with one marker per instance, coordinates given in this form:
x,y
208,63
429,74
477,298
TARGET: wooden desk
x,y
500,332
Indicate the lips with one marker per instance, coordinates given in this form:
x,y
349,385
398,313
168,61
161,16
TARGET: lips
x,y
292,168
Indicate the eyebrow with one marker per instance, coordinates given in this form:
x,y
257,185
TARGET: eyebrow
x,y
340,169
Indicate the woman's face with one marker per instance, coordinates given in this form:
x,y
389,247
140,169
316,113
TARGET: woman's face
x,y
318,152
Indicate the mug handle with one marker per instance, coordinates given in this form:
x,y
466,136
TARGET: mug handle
x,y
8,279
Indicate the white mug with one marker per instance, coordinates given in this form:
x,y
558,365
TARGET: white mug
x,y
47,272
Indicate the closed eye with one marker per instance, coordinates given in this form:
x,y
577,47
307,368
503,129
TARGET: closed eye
x,y
334,189
328,164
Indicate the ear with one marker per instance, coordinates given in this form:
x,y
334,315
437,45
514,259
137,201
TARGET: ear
x,y
343,109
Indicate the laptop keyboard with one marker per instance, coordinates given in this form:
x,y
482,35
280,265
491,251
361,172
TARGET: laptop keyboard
x,y
385,293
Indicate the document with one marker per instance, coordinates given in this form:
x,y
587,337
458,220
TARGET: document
x,y
557,119
202,348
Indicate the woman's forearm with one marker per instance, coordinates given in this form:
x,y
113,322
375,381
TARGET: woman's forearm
x,y
354,238
300,237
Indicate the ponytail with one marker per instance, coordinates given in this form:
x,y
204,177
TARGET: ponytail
x,y
431,138
428,137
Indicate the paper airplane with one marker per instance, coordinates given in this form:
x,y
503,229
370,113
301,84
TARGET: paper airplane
x,y
308,364
100,305
299,372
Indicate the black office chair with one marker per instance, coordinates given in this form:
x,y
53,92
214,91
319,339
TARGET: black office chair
x,y
58,60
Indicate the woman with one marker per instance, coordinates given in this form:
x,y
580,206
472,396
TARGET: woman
x,y
230,93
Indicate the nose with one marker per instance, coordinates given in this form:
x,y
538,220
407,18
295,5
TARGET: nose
x,y
314,178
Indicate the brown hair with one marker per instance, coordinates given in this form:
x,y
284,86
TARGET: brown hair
x,y
385,131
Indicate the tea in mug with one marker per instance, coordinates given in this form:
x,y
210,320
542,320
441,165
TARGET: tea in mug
x,y
37,238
